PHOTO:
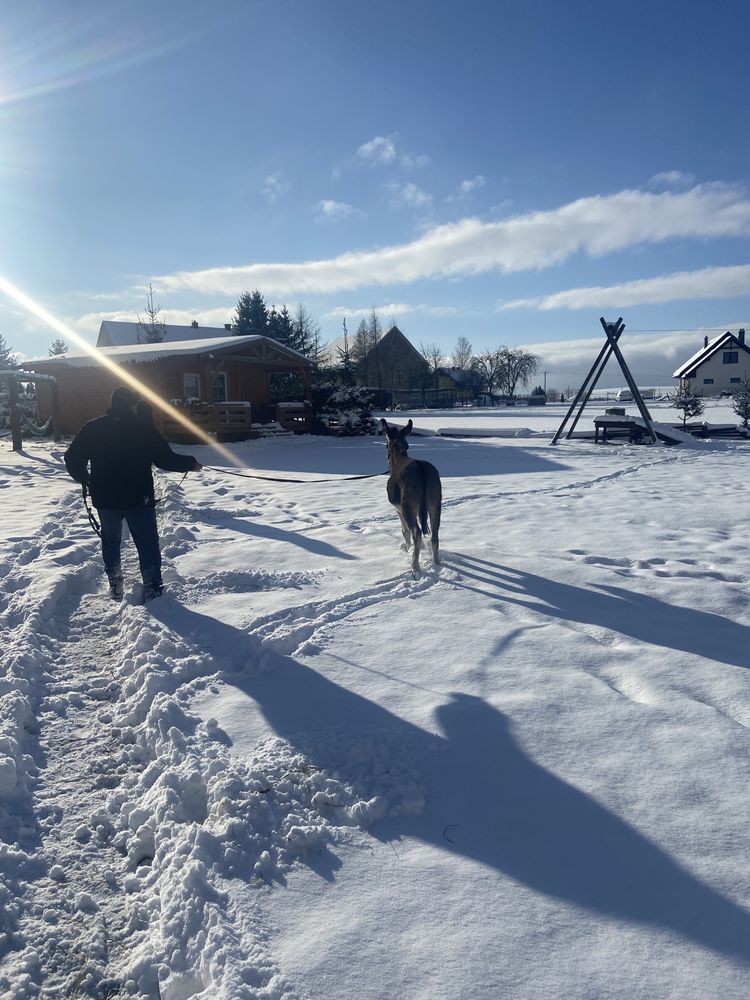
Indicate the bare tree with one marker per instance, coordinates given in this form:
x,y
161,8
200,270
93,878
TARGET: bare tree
x,y
433,355
517,365
462,354
153,330
488,368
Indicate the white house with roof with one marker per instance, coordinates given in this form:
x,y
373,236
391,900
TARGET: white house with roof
x,y
721,365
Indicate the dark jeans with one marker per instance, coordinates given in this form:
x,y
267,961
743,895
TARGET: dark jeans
x,y
142,524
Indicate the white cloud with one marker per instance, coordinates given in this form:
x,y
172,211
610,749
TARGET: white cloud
x,y
466,187
330,210
414,162
595,226
670,179
274,186
389,309
381,149
709,283
408,195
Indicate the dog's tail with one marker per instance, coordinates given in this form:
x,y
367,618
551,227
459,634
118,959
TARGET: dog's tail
x,y
423,502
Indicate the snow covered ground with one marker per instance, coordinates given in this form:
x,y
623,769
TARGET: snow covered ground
x,y
303,774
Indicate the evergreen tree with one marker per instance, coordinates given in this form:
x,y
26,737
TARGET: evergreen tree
x,y
58,347
346,411
153,329
281,327
306,335
741,403
687,401
7,359
251,315
347,367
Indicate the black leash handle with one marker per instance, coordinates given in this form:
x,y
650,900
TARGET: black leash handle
x,y
273,479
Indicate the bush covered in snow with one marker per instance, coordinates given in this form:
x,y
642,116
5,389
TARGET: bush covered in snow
x,y
346,411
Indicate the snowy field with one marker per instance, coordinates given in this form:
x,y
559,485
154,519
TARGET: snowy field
x,y
302,774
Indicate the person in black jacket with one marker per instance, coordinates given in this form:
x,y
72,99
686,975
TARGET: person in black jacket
x,y
120,448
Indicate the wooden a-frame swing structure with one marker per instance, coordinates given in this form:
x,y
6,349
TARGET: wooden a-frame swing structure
x,y
613,332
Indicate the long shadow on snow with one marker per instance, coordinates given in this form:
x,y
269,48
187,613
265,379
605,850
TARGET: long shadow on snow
x,y
488,801
227,521
629,612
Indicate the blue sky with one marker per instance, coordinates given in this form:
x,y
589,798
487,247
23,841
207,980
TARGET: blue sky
x,y
502,171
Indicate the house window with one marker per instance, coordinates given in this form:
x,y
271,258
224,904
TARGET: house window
x,y
735,380
731,357
708,381
220,387
191,386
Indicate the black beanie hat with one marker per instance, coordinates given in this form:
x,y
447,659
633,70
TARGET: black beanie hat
x,y
122,399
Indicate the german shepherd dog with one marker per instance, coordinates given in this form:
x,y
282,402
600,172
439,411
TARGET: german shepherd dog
x,y
414,490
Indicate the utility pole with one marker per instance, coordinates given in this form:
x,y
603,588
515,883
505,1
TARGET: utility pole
x,y
545,382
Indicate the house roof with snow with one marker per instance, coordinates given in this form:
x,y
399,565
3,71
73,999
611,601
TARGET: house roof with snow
x,y
267,350
720,343
118,333
460,376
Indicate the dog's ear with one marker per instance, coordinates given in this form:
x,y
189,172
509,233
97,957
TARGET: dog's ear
x,y
384,425
406,431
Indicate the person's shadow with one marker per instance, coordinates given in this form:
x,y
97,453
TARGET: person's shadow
x,y
487,801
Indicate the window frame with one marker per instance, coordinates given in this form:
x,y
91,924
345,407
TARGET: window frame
x,y
731,357
223,379
185,394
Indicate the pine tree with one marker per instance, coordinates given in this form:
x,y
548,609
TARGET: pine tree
x,y
281,326
347,367
306,333
7,359
251,315
686,400
345,410
152,330
58,347
741,403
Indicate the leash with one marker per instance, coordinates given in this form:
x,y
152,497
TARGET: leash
x,y
274,479
90,511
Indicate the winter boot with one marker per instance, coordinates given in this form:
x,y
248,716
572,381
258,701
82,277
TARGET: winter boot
x,y
116,588
152,590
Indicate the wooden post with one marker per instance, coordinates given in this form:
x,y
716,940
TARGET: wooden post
x,y
15,415
56,427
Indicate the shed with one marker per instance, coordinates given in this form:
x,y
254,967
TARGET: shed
x,y
225,381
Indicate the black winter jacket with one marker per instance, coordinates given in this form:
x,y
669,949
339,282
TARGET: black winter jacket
x,y
121,449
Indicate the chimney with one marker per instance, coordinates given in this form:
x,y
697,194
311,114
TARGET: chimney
x,y
705,341
194,323
741,336
227,326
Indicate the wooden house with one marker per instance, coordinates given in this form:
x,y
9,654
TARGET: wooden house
x,y
224,382
458,385
393,363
